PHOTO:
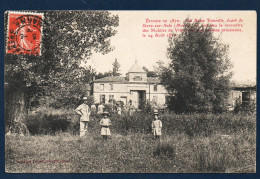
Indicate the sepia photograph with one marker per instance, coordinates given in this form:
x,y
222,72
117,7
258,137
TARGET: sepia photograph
x,y
130,91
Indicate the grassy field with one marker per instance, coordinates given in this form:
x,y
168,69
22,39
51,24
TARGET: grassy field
x,y
190,143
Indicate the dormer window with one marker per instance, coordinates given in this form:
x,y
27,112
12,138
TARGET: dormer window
x,y
137,78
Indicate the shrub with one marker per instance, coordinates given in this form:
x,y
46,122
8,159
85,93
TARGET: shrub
x,y
138,123
52,122
164,150
245,108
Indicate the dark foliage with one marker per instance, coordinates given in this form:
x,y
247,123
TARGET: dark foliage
x,y
164,150
199,71
68,40
245,108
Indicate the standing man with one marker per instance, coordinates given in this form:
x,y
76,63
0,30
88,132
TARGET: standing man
x,y
84,112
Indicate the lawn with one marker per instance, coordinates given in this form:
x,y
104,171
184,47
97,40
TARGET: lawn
x,y
193,143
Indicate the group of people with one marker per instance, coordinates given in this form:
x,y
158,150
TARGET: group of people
x,y
118,108
98,109
84,111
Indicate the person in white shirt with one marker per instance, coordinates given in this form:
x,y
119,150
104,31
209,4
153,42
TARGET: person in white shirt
x,y
156,125
100,108
119,109
84,112
93,108
105,122
131,108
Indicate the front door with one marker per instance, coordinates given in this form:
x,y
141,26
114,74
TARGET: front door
x,y
141,99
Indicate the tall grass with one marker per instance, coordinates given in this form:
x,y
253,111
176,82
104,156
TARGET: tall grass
x,y
192,125
190,143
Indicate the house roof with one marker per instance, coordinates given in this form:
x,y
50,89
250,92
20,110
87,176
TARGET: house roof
x,y
243,84
136,69
112,79
120,79
153,80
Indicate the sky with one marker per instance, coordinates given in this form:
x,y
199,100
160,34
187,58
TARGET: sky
x,y
129,44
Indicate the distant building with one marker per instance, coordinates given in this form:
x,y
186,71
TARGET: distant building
x,y
242,93
139,89
135,87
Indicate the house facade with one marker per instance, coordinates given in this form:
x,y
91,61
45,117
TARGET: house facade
x,y
138,88
241,93
135,87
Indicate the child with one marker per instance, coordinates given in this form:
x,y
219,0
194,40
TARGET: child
x,y
119,109
156,125
105,123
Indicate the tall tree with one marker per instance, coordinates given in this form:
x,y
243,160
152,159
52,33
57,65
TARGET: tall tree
x,y
199,72
115,70
68,40
150,73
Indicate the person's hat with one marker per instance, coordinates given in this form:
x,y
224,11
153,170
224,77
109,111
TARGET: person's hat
x,y
105,113
85,98
155,112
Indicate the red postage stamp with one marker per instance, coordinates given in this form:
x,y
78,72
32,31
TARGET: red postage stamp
x,y
24,33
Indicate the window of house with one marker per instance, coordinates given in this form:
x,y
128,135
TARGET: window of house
x,y
111,97
137,78
101,87
111,86
245,97
155,88
102,98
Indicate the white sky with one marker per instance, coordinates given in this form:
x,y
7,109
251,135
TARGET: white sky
x,y
130,45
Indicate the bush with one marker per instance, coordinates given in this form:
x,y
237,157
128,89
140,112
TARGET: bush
x,y
137,123
50,123
245,108
164,150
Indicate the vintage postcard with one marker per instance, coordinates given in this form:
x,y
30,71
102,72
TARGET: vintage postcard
x,y
130,91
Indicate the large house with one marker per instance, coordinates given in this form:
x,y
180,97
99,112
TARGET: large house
x,y
135,87
139,89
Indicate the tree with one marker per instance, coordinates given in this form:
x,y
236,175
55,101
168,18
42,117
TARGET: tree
x,y
68,40
102,75
199,71
150,73
115,70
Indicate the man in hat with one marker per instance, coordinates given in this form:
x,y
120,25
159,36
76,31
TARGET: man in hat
x,y
105,122
84,112
156,125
